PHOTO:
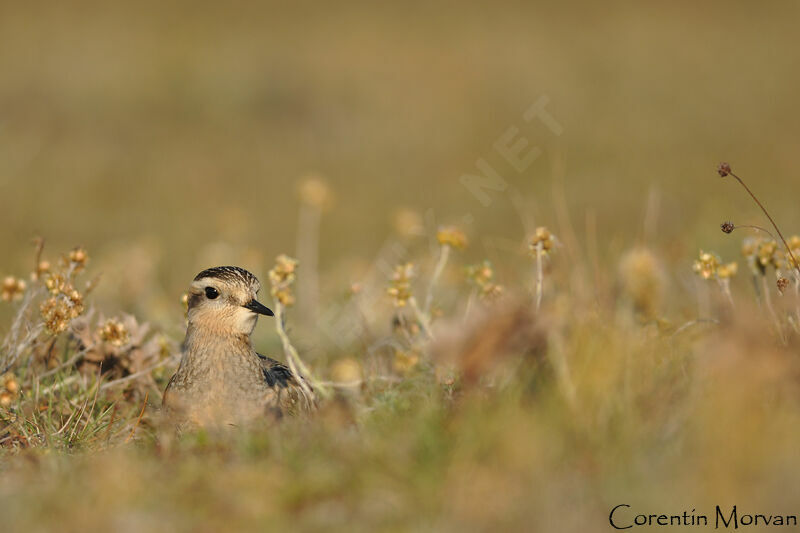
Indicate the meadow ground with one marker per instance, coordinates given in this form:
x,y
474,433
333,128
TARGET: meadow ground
x,y
145,143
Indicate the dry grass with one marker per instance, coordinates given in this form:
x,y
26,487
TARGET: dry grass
x,y
484,372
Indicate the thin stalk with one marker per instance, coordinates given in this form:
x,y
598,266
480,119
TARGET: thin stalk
x,y
725,285
470,300
293,358
437,273
770,308
421,317
539,274
759,228
774,225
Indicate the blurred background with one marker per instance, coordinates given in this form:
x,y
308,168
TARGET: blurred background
x,y
169,137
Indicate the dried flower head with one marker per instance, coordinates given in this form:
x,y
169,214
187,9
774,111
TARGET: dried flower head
x,y
12,289
482,276
491,291
61,308
782,284
55,283
727,227
114,332
10,383
400,284
281,278
706,265
768,254
794,245
315,192
709,266
5,399
78,258
724,169
56,314
452,236
727,270
542,240
43,267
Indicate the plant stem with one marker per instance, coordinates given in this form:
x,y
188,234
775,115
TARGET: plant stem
x,y
725,285
539,275
759,228
421,317
293,358
437,273
768,302
774,225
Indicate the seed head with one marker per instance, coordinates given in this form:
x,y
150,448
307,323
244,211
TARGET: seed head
x,y
543,236
400,284
782,284
452,236
42,268
10,383
281,278
727,227
768,254
78,258
794,246
12,288
114,332
5,399
55,283
727,271
724,169
482,276
706,265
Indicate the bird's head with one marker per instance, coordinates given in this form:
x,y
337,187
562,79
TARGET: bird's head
x,y
223,300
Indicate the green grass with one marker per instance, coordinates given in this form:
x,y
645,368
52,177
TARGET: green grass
x,y
170,139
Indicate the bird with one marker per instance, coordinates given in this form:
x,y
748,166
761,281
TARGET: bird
x,y
221,379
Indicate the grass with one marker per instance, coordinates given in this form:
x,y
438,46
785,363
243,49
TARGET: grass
x,y
483,374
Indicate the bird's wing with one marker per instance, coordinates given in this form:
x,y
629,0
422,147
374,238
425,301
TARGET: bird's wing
x,y
289,394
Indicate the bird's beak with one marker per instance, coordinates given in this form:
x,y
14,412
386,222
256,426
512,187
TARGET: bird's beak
x,y
257,307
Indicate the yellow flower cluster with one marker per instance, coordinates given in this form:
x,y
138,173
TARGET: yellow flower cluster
x,y
709,266
12,289
541,238
794,246
43,267
400,284
64,303
281,278
482,276
762,253
452,236
78,258
113,332
9,391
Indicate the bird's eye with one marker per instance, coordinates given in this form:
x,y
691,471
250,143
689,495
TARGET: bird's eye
x,y
211,293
